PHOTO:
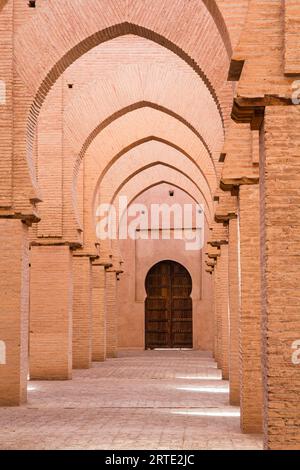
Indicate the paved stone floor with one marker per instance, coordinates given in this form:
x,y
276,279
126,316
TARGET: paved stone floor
x,y
141,400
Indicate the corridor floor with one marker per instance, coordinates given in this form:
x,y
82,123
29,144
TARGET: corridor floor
x,y
141,400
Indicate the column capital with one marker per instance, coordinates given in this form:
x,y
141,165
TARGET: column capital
x,y
241,157
226,208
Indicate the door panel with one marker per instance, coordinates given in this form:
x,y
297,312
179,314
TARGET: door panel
x,y
168,307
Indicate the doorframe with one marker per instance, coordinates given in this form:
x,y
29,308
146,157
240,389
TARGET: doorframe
x,y
172,262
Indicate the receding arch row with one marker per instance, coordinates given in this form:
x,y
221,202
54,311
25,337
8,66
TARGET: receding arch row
x,y
135,186
110,248
214,11
76,51
135,192
173,89
88,42
100,37
95,175
101,147
133,164
111,186
129,109
137,146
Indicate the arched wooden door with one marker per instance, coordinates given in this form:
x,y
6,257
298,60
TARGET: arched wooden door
x,y
168,307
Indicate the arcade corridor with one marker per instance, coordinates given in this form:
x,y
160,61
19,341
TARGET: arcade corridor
x,y
150,198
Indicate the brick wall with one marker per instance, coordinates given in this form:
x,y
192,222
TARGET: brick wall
x,y
82,312
99,313
281,276
51,290
250,311
14,305
234,309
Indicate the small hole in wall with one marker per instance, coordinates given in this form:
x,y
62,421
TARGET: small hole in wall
x,y
31,3
70,85
171,192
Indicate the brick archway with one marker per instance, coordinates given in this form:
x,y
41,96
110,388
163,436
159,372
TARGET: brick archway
x,y
145,149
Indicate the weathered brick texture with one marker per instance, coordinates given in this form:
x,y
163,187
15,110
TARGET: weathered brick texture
x,y
14,305
82,312
99,313
281,277
222,311
234,310
51,291
250,311
111,314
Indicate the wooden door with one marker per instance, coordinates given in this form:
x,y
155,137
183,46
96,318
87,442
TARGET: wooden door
x,y
168,307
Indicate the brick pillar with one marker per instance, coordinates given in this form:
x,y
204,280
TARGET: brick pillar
x,y
250,311
82,312
280,237
216,318
222,314
215,351
51,295
234,310
14,305
111,314
99,313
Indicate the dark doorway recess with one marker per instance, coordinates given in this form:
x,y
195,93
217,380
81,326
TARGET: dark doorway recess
x,y
168,307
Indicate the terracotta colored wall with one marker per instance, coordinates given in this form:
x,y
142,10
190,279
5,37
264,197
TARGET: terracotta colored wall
x,y
51,296
14,305
139,256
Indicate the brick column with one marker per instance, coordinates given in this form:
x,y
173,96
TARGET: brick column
x,y
234,308
218,317
82,312
111,314
222,314
280,237
216,345
14,305
99,313
250,311
51,295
